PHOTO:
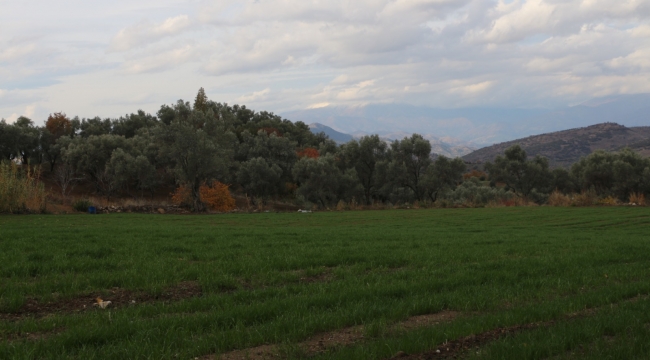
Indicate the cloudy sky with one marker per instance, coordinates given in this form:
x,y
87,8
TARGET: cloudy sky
x,y
100,58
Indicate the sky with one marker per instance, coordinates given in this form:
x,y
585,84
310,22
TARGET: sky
x,y
109,58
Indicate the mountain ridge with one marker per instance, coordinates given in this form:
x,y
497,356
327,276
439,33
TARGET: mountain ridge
x,y
563,148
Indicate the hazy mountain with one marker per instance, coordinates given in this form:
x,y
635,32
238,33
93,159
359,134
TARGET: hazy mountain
x,y
447,146
475,127
339,137
564,148
438,146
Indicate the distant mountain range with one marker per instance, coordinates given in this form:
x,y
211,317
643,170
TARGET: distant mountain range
x,y
564,148
438,146
476,127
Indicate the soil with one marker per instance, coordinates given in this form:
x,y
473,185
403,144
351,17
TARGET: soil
x,y
337,338
117,296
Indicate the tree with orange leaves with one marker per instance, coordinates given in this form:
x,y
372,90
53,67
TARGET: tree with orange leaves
x,y
57,126
216,196
309,153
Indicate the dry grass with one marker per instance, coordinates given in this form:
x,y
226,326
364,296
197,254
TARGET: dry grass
x,y
21,190
638,199
609,201
559,199
585,198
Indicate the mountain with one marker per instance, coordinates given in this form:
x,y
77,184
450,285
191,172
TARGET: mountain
x,y
339,137
472,127
447,146
564,148
475,127
438,146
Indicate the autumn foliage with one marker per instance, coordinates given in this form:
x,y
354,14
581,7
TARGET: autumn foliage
x,y
475,173
308,152
216,196
58,125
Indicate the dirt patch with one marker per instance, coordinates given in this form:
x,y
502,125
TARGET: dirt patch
x,y
31,336
325,341
323,277
460,347
117,296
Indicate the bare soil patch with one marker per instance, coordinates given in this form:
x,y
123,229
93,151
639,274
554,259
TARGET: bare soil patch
x,y
31,336
460,347
117,296
337,338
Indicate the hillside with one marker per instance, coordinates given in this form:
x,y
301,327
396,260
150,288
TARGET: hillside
x,y
564,148
337,136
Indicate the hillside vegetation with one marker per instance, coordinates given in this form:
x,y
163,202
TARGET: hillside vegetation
x,y
564,148
201,156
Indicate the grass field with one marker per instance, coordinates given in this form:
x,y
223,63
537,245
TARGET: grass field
x,y
514,283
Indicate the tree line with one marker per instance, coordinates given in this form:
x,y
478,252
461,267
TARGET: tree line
x,y
269,158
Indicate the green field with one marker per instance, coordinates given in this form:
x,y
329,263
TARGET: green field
x,y
530,283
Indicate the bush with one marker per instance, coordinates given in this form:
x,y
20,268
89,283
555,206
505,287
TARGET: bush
x,y
637,199
558,199
82,205
472,193
216,196
20,191
585,198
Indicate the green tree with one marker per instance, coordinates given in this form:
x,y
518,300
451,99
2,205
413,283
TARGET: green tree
x,y
322,181
530,179
198,147
259,178
443,175
201,101
90,157
411,158
364,155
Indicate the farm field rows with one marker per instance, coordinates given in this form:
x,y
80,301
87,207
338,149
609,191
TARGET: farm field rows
x,y
493,283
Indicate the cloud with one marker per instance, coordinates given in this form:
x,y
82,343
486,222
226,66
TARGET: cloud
x,y
146,32
291,54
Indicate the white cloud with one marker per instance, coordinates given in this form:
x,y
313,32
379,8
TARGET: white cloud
x,y
306,53
146,32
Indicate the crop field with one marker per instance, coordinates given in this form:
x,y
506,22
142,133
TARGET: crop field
x,y
493,283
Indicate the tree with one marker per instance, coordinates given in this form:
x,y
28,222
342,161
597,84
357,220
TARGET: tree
x,y
363,155
443,174
57,126
90,156
66,177
616,174
259,178
530,179
411,158
129,125
8,141
27,140
322,181
201,101
198,147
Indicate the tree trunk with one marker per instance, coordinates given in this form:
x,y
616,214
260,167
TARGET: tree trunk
x,y
197,204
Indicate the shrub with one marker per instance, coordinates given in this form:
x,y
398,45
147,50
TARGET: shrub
x,y
609,201
20,191
585,198
637,199
82,205
216,196
558,199
472,193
